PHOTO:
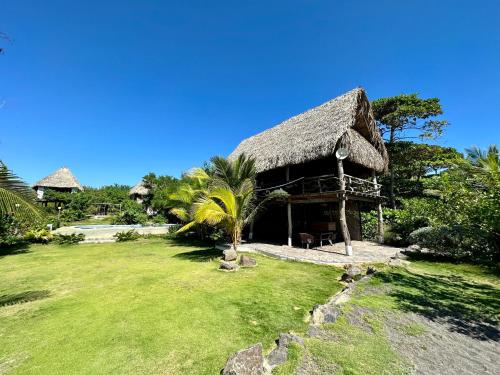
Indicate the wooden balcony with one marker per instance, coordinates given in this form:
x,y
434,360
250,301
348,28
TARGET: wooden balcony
x,y
325,188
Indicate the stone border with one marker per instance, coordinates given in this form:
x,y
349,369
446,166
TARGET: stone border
x,y
251,360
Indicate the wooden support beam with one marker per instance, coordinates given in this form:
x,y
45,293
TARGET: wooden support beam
x,y
250,233
289,211
343,223
380,216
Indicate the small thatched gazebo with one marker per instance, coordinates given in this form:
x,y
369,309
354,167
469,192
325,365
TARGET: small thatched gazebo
x,y
138,192
299,155
61,180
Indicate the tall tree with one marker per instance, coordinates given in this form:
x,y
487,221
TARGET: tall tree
x,y
407,116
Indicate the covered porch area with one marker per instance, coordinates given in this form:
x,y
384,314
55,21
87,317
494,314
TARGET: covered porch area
x,y
364,252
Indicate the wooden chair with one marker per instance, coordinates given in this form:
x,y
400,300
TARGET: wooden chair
x,y
307,239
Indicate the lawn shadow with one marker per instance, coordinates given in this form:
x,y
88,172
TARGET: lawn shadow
x,y
30,295
203,255
14,250
470,308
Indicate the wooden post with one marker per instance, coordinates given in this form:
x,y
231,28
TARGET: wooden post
x,y
289,211
250,234
343,222
380,217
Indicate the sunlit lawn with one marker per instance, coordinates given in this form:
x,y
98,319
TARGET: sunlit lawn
x,y
145,307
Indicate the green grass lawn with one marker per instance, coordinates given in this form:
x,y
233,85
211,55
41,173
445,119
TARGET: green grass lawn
x,y
145,307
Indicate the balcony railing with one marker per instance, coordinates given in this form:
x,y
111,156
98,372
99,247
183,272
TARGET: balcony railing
x,y
325,184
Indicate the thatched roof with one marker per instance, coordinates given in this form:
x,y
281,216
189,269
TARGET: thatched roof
x,y
139,189
62,178
346,120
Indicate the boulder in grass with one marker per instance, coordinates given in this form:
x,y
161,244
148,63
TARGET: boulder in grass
x,y
353,270
371,270
279,354
249,361
230,255
228,266
246,261
325,314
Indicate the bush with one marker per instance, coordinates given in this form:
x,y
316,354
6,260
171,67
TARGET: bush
x,y
369,225
10,232
457,242
159,219
130,235
132,213
38,236
69,239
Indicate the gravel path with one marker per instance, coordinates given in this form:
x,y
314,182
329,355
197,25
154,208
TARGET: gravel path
x,y
441,350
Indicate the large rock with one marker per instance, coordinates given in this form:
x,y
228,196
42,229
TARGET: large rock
x,y
246,261
228,266
353,270
325,314
249,361
230,255
279,354
352,273
287,338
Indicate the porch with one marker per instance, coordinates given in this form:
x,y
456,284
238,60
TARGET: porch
x,y
325,206
364,252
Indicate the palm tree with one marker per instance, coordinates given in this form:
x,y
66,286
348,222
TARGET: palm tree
x,y
16,198
186,194
230,200
231,208
234,173
488,161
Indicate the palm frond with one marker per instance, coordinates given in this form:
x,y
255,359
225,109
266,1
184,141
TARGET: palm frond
x,y
16,198
206,210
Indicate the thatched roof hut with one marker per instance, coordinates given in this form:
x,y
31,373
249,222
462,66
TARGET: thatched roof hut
x,y
62,179
345,121
139,190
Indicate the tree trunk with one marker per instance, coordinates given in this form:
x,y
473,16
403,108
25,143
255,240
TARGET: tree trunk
x,y
392,140
343,223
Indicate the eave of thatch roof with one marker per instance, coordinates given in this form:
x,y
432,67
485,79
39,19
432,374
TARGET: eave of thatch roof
x,y
139,189
316,133
62,178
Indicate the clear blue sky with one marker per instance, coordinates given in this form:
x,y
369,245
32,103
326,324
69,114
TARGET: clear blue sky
x,y
116,89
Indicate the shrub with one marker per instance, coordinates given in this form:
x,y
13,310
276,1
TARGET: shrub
x,y
457,242
69,239
159,219
132,213
38,236
369,225
10,232
172,230
130,235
